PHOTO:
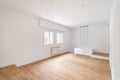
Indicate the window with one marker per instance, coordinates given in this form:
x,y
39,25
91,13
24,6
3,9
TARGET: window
x,y
59,38
48,38
51,37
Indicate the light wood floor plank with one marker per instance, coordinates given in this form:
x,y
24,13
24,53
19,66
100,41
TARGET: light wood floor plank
x,y
68,67
101,54
12,73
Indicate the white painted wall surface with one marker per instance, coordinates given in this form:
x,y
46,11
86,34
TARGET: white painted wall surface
x,y
98,38
21,38
115,40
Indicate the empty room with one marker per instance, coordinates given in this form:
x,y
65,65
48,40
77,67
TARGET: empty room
x,y
59,39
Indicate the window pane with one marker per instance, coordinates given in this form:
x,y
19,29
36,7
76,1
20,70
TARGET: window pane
x,y
51,37
59,37
46,38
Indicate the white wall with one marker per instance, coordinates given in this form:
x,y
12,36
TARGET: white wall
x,y
21,38
115,40
98,38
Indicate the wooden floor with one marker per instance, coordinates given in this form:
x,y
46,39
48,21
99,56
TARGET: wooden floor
x,y
101,54
12,73
68,67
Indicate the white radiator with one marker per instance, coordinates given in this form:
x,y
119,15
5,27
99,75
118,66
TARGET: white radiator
x,y
55,50
84,51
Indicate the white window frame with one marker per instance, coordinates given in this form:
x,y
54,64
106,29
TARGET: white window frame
x,y
58,36
50,41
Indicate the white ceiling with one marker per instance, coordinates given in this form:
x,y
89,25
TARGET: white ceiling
x,y
72,13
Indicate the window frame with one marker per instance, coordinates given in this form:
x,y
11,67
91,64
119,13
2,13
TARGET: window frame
x,y
54,39
61,35
49,36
